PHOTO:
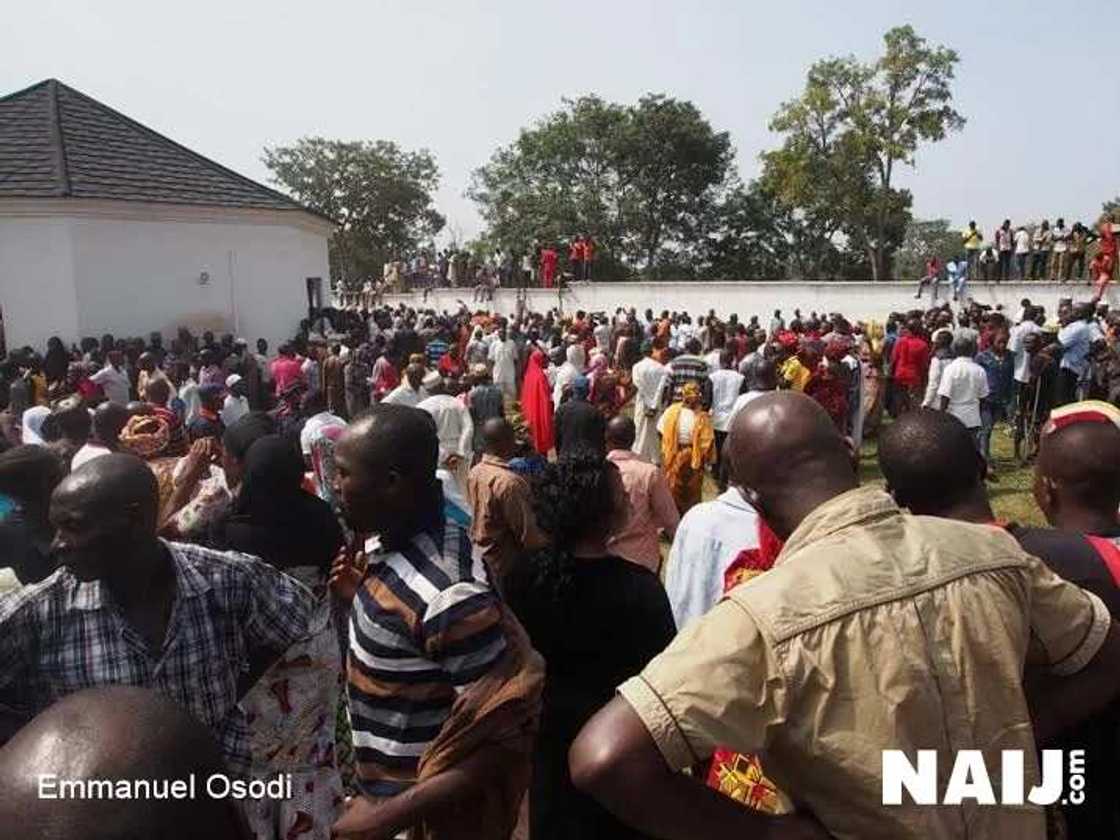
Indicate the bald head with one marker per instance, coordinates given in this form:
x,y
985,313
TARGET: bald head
x,y
109,483
1077,475
931,463
498,437
111,734
105,516
620,432
789,458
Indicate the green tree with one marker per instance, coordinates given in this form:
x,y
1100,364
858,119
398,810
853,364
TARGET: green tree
x,y
674,166
925,238
852,128
642,180
752,237
379,194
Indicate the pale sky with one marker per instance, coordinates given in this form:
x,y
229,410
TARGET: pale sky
x,y
1037,82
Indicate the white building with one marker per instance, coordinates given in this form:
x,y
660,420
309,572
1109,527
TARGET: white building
x,y
108,227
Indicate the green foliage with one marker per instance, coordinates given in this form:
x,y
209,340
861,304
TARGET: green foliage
x,y
925,237
844,138
379,194
641,180
752,236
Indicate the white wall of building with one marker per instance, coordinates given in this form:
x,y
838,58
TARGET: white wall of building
x,y
858,300
37,297
136,277
97,272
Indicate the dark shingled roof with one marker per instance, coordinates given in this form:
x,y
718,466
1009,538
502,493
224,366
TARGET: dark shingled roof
x,y
56,142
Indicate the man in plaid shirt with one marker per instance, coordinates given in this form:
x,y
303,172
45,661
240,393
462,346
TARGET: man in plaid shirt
x,y
128,608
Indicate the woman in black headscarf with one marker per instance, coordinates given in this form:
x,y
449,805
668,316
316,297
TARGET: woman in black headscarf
x,y
274,518
56,362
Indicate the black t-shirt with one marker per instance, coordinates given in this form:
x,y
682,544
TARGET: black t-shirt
x,y
615,617
1073,558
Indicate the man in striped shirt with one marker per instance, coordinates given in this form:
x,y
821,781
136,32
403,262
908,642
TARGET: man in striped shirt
x,y
425,623
690,367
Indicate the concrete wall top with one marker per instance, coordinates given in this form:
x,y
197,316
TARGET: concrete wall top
x,y
859,300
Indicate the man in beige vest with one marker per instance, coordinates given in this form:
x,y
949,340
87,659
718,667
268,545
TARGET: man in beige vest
x,y
875,630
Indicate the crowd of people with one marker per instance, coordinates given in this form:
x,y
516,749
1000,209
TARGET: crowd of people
x,y
475,575
545,265
1027,252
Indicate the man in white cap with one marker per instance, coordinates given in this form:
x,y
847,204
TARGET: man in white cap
x,y
236,404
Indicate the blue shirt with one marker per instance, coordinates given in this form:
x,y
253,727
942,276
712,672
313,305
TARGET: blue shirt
x,y
1001,374
708,539
1076,339
437,348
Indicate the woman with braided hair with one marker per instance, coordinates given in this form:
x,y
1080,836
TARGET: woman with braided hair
x,y
594,617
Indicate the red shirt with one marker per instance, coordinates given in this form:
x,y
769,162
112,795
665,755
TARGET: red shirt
x,y
285,371
449,366
910,360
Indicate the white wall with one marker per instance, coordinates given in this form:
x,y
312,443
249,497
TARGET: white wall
x,y
858,300
83,276
36,281
136,277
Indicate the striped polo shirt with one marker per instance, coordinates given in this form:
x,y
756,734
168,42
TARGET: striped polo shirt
x,y
688,368
424,626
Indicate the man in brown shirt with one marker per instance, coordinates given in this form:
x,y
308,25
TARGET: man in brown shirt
x,y
875,630
503,524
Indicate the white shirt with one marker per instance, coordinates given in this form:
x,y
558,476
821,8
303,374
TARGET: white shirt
x,y
114,383
264,367
649,377
965,383
740,402
188,393
233,409
314,425
602,335
504,356
1061,239
453,425
713,360
404,395
707,541
1015,343
1022,241
86,454
937,366
725,391
686,422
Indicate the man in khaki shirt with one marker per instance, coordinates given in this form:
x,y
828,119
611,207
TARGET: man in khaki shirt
x,y
875,630
503,525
